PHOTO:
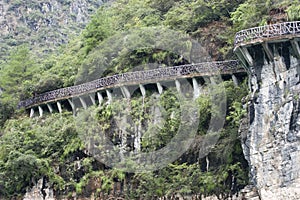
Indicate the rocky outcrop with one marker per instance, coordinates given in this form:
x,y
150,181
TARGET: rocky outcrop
x,y
272,144
41,191
43,24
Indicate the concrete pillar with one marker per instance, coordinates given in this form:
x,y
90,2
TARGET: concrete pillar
x,y
59,107
235,80
40,111
196,88
50,108
159,88
109,96
31,113
143,91
83,103
178,86
100,98
92,97
125,92
72,106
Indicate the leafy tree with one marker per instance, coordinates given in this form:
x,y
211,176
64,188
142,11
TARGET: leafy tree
x,y
15,74
251,13
98,29
20,67
294,11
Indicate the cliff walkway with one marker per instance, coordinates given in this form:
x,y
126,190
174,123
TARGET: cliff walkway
x,y
266,37
96,88
271,38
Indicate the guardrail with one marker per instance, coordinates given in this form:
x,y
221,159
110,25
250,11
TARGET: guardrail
x,y
213,68
268,31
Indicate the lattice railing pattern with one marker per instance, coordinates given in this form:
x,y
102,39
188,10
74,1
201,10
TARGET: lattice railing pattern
x,y
268,31
200,69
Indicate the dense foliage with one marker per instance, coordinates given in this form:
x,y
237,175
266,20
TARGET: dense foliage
x,y
51,148
35,148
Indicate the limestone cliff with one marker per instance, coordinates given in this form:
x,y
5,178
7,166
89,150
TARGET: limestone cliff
x,y
272,142
43,24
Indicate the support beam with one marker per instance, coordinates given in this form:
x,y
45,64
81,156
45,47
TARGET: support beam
x,y
235,80
50,108
40,111
100,98
109,96
268,51
72,106
241,58
92,97
159,88
83,103
31,113
178,86
246,55
296,49
196,88
143,91
59,107
125,92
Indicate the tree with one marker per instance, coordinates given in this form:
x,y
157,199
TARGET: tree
x,y
19,68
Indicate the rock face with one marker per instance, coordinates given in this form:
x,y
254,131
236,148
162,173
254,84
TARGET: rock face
x,y
272,144
41,191
43,24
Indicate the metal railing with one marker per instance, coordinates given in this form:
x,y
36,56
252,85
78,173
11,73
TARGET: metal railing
x,y
268,31
200,69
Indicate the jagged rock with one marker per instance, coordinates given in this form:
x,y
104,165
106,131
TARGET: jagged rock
x,y
271,146
41,191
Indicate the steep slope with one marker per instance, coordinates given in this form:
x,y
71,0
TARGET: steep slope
x,y
43,24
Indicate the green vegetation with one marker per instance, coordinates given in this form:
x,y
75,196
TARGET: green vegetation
x,y
51,148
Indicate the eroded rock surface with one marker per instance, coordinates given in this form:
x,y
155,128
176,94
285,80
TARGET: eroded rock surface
x,y
272,144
